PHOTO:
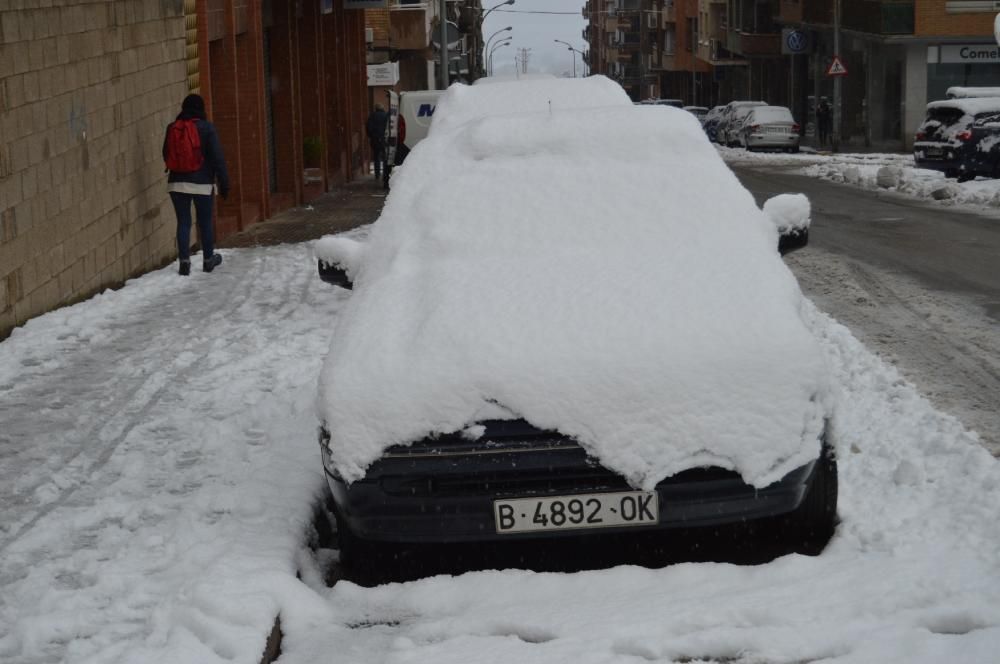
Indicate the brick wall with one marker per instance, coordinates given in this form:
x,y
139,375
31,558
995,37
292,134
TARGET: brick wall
x,y
86,89
932,20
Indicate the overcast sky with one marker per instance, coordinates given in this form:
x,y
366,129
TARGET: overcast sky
x,y
537,32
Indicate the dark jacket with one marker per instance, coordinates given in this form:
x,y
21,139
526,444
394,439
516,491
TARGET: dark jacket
x,y
375,127
213,167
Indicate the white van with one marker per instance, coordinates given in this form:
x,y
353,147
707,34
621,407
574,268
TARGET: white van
x,y
416,109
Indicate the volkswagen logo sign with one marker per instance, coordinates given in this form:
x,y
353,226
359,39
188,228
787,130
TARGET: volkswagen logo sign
x,y
795,42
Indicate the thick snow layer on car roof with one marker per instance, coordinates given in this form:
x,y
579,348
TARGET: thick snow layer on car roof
x,y
969,106
463,103
599,272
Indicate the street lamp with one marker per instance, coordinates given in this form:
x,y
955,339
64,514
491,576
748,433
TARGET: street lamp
x,y
487,12
568,46
486,49
489,66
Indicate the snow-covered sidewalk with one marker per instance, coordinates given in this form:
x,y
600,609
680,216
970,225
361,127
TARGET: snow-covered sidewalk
x,y
158,467
898,174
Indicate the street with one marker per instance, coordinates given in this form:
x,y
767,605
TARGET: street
x,y
918,284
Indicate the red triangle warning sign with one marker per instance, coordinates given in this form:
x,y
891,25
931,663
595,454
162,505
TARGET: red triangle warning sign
x,y
836,67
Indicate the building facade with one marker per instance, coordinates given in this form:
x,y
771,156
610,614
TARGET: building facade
x,y
87,88
899,54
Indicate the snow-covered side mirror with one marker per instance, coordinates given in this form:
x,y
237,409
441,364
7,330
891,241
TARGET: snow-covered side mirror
x,y
790,214
339,259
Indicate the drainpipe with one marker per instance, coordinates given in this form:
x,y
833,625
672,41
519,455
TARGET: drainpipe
x,y
443,41
835,134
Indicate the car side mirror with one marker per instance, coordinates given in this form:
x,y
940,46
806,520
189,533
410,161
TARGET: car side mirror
x,y
339,259
791,215
792,240
332,273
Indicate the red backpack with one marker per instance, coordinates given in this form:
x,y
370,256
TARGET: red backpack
x,y
184,147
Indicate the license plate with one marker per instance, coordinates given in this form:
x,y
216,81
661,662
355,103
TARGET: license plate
x,y
777,130
934,152
591,510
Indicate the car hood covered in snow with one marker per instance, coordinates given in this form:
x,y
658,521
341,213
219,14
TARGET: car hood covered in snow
x,y
596,271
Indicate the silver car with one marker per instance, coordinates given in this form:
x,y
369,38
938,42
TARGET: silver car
x,y
769,127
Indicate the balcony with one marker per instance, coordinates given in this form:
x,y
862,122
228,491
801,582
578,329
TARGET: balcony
x,y
410,24
745,43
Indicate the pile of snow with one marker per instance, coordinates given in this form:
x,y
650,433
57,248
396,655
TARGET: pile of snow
x,y
529,260
863,170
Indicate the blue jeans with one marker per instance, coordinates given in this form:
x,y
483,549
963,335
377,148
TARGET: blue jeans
x,y
203,210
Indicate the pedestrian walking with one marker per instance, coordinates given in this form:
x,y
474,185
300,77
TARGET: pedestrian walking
x,y
193,156
375,128
824,120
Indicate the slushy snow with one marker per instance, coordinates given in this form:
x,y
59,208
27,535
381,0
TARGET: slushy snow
x,y
567,265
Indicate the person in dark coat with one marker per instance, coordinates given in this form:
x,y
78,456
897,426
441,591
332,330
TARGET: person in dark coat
x,y
198,188
824,120
375,128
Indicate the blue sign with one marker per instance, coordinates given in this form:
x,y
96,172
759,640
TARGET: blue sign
x,y
795,42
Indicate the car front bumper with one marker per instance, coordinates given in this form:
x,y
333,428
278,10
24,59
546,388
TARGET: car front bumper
x,y
449,498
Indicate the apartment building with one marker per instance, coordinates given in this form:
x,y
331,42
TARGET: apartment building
x,y
86,91
627,43
899,54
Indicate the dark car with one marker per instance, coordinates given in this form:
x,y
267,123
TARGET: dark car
x,y
984,156
492,379
946,141
517,481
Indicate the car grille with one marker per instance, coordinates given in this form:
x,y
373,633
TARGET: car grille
x,y
545,481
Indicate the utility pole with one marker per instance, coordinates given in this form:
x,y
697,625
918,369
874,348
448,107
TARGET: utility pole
x,y
837,99
523,55
443,41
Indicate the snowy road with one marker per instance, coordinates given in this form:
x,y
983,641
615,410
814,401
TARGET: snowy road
x,y
918,284
158,466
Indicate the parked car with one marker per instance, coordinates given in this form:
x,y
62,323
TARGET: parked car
x,y
769,127
728,129
485,384
697,111
946,142
710,122
984,157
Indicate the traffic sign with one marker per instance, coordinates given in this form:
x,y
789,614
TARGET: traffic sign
x,y
836,67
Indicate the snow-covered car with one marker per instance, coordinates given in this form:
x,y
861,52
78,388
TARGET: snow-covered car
x,y
710,122
984,158
553,331
769,127
731,120
945,141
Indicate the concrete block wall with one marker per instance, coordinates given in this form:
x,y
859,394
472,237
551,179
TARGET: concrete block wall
x,y
87,88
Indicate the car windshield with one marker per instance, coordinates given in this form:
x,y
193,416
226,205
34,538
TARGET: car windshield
x,y
945,115
768,114
659,338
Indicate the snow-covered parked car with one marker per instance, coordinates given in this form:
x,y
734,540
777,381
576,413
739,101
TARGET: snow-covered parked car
x,y
553,331
769,127
946,141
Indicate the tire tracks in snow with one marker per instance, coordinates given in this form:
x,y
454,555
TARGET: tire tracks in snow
x,y
941,342
144,396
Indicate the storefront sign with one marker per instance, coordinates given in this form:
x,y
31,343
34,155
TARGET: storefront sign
x,y
969,53
386,74
366,4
